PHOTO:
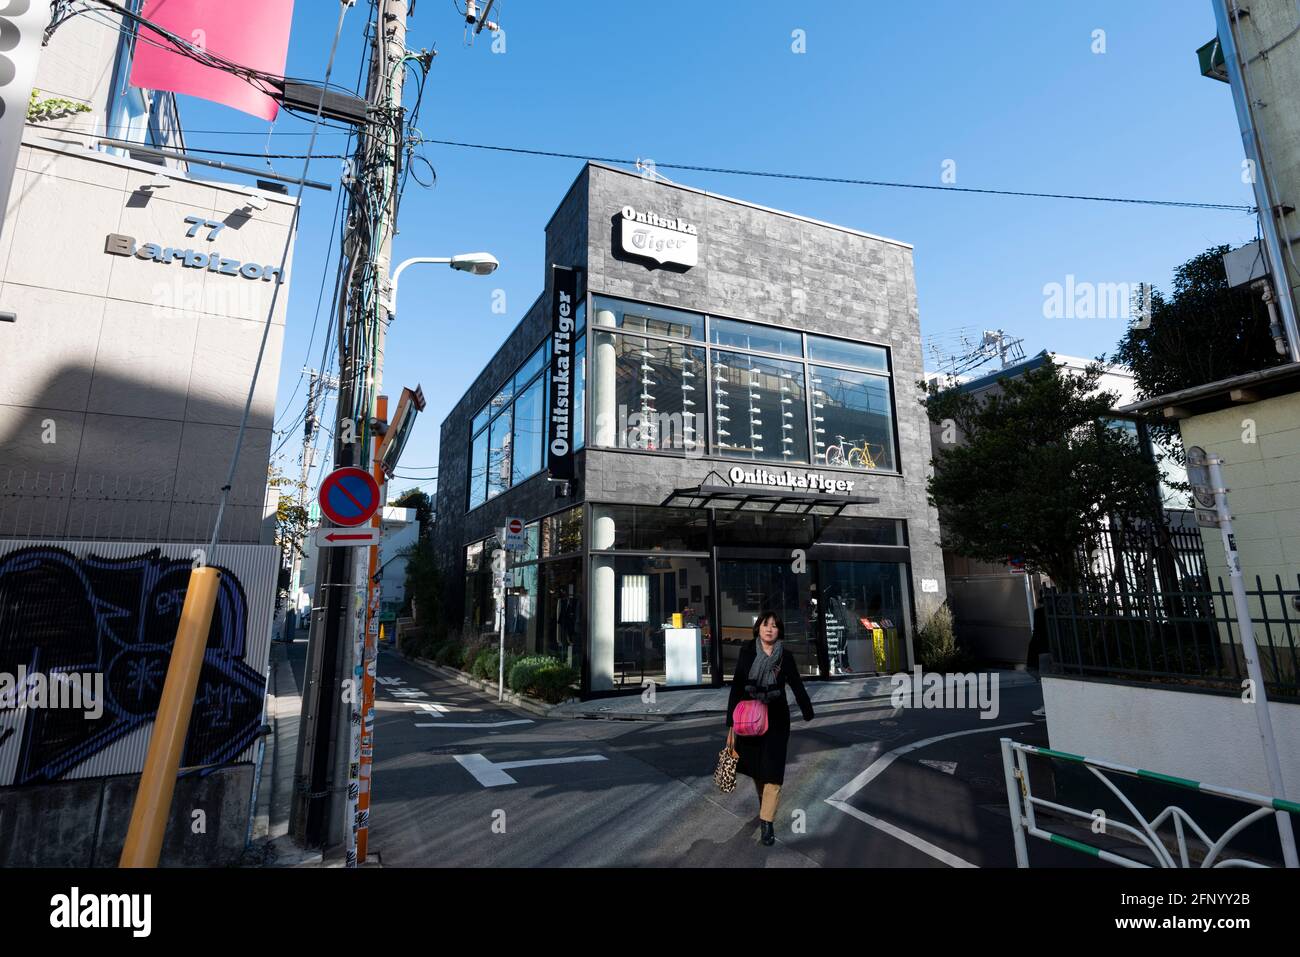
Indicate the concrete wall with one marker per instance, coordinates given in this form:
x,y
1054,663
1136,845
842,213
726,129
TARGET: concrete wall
x,y
1203,736
78,65
124,379
84,823
1263,479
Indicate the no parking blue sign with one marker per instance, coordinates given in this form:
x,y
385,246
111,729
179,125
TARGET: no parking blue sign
x,y
349,496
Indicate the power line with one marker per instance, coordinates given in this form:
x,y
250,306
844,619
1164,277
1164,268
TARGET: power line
x,y
807,177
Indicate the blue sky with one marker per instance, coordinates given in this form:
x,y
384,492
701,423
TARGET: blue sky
x,y
1012,93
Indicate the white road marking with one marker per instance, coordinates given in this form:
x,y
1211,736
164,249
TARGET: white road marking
x,y
885,760
389,680
841,797
491,774
473,724
407,693
947,767
938,853
432,710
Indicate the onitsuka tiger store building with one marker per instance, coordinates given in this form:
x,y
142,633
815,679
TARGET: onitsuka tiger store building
x,y
711,409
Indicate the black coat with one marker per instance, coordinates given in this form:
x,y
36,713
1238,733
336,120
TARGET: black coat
x,y
763,757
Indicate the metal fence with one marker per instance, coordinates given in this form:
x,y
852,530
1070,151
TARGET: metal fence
x,y
123,507
1188,636
1170,837
1138,556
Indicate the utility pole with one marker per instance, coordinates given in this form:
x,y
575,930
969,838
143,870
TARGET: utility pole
x,y
327,773
319,385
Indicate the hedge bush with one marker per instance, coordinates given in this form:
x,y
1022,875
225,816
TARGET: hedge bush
x,y
450,654
554,684
487,664
542,676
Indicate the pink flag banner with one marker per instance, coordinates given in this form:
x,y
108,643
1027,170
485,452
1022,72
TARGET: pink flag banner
x,y
252,33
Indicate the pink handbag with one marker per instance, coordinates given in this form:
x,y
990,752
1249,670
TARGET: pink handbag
x,y
750,718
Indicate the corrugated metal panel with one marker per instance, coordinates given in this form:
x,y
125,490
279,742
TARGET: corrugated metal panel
x,y
110,609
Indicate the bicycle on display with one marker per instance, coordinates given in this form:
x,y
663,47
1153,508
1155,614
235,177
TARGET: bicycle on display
x,y
842,454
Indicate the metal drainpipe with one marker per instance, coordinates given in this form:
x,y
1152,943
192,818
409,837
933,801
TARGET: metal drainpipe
x,y
1263,199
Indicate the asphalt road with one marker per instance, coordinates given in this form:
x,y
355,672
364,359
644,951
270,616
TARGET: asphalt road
x,y
455,785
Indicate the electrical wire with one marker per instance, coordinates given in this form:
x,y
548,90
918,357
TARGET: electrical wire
x,y
275,294
806,177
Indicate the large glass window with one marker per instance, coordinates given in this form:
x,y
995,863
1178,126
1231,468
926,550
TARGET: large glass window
x,y
562,533
853,419
865,616
860,355
652,393
749,588
655,320
649,528
580,394
749,335
509,433
499,455
529,425
759,408
637,635
529,369
650,396
478,470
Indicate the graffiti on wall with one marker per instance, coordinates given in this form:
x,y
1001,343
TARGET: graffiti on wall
x,y
65,614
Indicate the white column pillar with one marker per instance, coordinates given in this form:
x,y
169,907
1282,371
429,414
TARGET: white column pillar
x,y
604,399
602,602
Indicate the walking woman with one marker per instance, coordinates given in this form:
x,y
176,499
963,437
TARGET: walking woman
x,y
762,674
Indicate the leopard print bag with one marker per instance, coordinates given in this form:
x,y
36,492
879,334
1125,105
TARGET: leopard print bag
x,y
724,775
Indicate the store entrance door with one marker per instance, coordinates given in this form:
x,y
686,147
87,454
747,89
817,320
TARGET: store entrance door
x,y
841,617
748,586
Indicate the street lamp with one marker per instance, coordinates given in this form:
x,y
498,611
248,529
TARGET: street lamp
x,y
477,264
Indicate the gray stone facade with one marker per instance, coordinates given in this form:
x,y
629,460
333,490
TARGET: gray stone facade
x,y
754,264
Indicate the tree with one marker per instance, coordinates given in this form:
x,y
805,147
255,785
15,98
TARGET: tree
x,y
423,505
1039,470
1206,332
291,519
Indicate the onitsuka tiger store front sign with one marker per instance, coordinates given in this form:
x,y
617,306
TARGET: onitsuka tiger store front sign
x,y
665,239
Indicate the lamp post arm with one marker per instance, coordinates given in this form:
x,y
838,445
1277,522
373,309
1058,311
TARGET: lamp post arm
x,y
391,303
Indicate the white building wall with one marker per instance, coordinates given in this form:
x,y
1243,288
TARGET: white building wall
x,y
122,380
1205,737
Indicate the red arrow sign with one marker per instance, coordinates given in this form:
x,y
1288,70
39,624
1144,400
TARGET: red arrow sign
x,y
339,537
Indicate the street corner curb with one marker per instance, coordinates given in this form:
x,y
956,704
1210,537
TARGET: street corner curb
x,y
531,705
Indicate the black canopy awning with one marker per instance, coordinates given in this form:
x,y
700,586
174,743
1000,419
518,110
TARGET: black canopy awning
x,y
718,494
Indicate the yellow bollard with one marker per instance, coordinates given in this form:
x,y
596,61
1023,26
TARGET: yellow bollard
x,y
153,799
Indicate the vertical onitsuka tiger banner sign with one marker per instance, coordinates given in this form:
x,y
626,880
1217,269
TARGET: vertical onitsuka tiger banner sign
x,y
563,373
21,24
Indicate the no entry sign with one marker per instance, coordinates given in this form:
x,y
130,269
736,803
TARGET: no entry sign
x,y
349,496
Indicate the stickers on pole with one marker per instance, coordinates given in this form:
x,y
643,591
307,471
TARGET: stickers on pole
x,y
349,496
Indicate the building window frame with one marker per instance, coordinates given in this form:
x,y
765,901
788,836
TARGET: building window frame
x,y
707,344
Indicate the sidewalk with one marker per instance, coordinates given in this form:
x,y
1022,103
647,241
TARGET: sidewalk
x,y
275,790
672,705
